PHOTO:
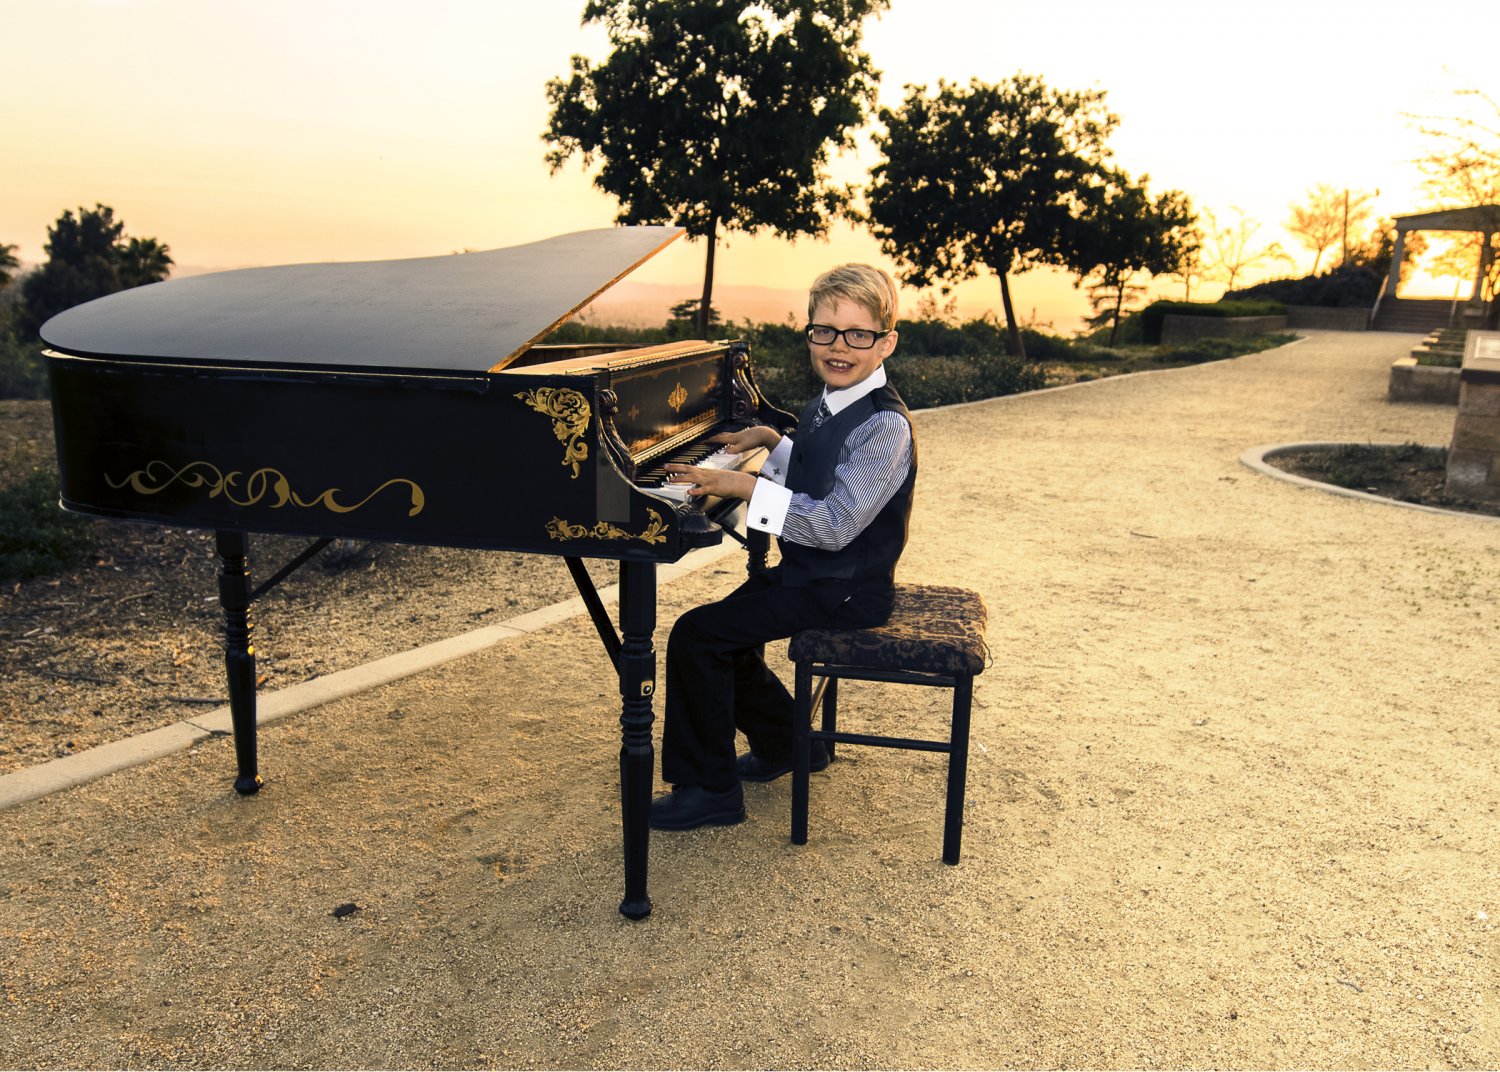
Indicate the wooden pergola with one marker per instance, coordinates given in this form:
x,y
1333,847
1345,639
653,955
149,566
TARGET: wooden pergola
x,y
1484,219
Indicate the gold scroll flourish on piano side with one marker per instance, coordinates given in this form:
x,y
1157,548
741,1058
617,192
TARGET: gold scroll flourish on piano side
x,y
160,475
558,529
677,397
570,413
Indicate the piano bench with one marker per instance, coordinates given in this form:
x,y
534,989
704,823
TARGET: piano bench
x,y
935,637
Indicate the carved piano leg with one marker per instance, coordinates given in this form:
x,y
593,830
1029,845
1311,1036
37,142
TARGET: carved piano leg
x,y
637,669
239,654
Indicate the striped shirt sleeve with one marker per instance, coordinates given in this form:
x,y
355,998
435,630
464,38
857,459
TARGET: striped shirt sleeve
x,y
872,465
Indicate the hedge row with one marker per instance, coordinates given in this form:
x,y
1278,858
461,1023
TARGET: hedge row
x,y
1152,315
1348,287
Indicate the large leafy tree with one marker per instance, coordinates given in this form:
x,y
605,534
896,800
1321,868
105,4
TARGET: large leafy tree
x,y
718,115
89,256
986,177
1122,232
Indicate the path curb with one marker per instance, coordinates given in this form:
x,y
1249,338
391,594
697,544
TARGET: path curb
x,y
32,783
1255,458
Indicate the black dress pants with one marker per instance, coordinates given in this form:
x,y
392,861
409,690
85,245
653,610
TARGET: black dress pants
x,y
718,680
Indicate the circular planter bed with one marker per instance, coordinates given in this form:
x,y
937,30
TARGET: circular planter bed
x,y
1407,473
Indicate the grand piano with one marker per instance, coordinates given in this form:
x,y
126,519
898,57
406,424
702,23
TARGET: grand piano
x,y
411,401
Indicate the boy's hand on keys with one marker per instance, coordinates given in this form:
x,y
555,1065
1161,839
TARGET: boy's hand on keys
x,y
757,435
725,483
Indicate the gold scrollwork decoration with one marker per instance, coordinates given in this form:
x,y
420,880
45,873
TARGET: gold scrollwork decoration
x,y
558,529
677,397
260,484
570,413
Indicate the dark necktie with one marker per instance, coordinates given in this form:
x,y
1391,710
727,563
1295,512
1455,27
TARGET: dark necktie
x,y
819,417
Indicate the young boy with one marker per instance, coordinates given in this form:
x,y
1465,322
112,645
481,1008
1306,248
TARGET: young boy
x,y
838,497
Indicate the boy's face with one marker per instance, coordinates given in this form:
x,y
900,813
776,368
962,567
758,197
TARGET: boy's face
x,y
838,364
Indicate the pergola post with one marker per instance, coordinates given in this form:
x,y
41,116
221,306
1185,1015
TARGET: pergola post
x,y
1398,254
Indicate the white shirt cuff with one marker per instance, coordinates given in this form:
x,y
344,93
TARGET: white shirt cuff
x,y
778,461
768,506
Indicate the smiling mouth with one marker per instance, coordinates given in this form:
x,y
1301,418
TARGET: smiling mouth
x,y
838,366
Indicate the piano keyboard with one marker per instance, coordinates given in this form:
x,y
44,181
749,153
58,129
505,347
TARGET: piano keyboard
x,y
654,480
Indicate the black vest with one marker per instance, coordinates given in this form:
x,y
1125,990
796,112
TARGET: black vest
x,y
870,559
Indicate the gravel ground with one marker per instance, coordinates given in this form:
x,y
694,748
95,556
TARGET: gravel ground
x,y
1231,804
131,640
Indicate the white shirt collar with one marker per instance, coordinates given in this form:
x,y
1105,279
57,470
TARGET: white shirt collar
x,y
837,401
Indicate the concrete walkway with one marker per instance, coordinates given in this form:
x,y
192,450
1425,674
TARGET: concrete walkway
x,y
1232,804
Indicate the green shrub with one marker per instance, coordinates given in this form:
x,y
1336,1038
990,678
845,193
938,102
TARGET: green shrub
x,y
942,381
23,374
1128,333
1043,347
1196,351
1346,287
36,536
923,381
939,362
1359,466
1151,316
942,338
1093,353
1442,359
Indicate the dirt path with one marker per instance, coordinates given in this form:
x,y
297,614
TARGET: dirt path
x,y
1232,804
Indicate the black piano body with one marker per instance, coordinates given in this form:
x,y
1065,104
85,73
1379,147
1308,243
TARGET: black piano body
x,y
540,456
411,402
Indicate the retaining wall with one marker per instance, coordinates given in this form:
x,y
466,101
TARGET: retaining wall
x,y
1327,319
1177,328
1411,382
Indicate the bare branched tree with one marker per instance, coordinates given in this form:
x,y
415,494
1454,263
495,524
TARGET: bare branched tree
x,y
1324,218
1190,270
1231,251
1462,170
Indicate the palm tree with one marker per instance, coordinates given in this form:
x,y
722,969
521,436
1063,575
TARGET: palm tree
x,y
8,263
142,260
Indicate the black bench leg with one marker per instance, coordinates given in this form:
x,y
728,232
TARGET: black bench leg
x,y
801,752
958,767
830,720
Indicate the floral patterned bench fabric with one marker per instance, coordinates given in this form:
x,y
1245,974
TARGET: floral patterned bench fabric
x,y
933,629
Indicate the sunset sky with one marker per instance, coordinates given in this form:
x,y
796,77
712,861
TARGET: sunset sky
x,y
277,132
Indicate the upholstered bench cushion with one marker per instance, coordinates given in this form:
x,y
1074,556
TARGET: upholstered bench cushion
x,y
933,629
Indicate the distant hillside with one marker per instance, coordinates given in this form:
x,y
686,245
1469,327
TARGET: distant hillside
x,y
1044,295
649,304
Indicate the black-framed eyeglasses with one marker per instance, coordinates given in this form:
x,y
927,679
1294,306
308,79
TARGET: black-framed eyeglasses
x,y
854,338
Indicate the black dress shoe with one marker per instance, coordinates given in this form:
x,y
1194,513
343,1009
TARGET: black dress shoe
x,y
688,807
754,768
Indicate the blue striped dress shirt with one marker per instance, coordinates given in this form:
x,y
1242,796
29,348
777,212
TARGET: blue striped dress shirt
x,y
873,462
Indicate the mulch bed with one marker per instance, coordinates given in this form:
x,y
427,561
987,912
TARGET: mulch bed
x,y
1409,473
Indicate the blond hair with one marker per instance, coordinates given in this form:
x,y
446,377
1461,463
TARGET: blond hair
x,y
872,289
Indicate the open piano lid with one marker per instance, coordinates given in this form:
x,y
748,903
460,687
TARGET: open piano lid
x,y
465,313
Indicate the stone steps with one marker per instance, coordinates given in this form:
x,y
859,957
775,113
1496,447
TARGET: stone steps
x,y
1413,314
